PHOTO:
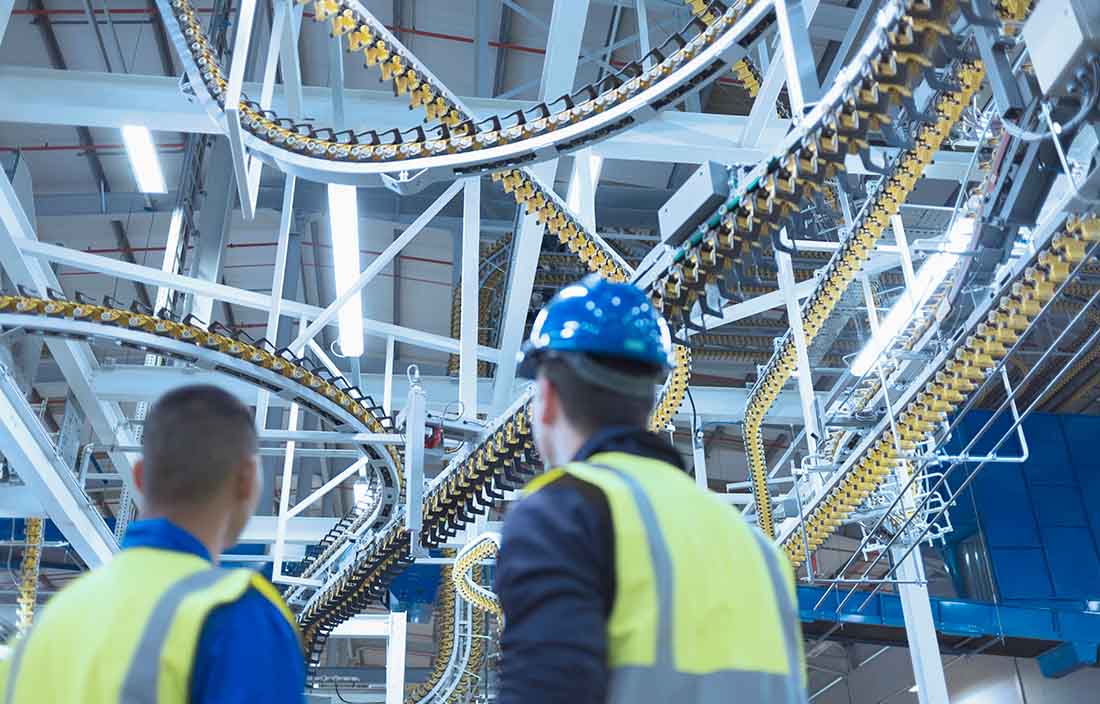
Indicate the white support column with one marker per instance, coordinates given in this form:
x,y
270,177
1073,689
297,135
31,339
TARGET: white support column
x,y
289,59
374,268
794,38
559,69
699,458
471,240
763,108
395,659
920,629
336,81
581,196
643,31
284,498
241,167
794,317
286,219
387,382
415,419
903,249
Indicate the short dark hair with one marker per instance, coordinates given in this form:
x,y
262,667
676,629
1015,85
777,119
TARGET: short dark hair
x,y
194,436
590,407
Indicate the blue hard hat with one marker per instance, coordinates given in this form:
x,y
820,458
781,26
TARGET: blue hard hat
x,y
601,318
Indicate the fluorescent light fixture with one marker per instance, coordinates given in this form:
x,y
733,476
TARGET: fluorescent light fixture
x,y
595,166
343,213
931,275
143,159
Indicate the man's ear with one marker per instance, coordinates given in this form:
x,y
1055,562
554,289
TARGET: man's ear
x,y
247,480
139,475
549,406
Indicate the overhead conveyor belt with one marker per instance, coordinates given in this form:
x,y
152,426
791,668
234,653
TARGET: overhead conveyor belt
x,y
845,266
462,142
278,371
948,382
905,47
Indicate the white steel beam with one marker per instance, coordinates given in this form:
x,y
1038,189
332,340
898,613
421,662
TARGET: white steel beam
x,y
395,658
559,70
521,280
6,6
74,359
289,61
135,383
282,247
53,97
763,107
242,168
471,255
300,529
581,196
328,315
230,294
387,376
805,376
643,31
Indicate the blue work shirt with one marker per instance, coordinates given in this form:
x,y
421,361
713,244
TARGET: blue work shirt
x,y
247,652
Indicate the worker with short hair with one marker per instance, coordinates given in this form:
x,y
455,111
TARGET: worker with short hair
x,y
620,579
162,623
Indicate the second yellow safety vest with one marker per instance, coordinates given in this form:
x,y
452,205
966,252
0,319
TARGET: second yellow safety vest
x,y
125,633
704,608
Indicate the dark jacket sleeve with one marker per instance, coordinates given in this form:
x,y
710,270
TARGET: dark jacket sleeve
x,y
555,582
248,653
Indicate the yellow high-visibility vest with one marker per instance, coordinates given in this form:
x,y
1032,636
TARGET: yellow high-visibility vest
x,y
704,608
125,633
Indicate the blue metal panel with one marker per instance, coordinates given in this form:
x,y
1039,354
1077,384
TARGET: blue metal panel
x,y
1040,520
1058,505
1004,505
1021,573
960,618
1068,658
1081,434
1090,496
1074,566
1050,460
963,618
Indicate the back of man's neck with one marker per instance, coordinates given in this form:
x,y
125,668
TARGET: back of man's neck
x,y
205,530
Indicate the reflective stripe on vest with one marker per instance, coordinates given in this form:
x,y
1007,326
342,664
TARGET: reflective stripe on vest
x,y
664,680
150,607
143,677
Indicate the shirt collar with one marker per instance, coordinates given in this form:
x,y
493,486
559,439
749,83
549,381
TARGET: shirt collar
x,y
162,534
633,441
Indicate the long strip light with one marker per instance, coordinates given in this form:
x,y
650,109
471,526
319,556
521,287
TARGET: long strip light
x,y
931,275
343,213
143,159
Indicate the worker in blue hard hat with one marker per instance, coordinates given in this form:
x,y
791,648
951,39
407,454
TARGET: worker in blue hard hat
x,y
620,579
